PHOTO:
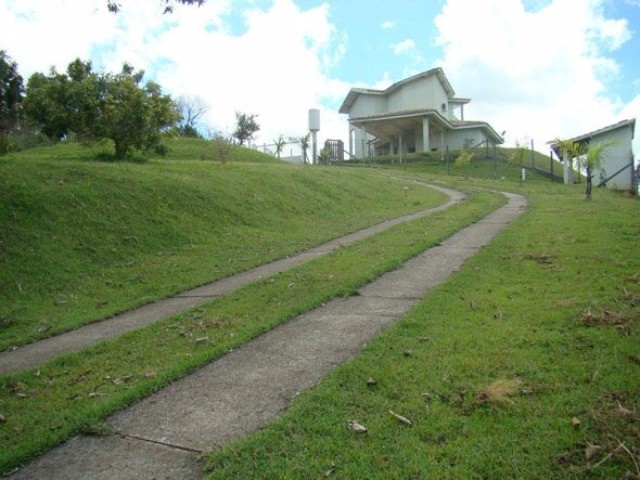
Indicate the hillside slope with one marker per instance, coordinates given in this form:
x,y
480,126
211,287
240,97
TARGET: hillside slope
x,y
83,240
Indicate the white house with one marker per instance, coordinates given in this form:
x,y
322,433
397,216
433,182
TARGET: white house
x,y
417,114
617,169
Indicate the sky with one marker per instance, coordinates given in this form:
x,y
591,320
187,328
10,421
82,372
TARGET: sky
x,y
537,69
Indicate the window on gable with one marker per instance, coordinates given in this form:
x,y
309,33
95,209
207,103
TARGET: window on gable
x,y
443,107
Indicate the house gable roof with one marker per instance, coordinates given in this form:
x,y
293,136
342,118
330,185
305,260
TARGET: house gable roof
x,y
354,93
585,137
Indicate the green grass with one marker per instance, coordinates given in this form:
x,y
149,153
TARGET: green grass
x,y
516,313
480,167
74,392
81,241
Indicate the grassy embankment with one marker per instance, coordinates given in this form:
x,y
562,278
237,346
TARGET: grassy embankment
x,y
74,392
83,240
524,365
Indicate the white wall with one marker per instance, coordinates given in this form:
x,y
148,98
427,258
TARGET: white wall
x,y
616,157
457,138
419,94
367,105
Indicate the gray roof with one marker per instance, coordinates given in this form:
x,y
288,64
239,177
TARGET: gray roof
x,y
585,137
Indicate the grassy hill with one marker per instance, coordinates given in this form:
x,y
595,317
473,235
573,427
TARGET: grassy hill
x,y
84,239
491,164
520,364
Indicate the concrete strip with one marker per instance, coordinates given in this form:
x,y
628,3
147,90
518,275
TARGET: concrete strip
x,y
242,391
37,353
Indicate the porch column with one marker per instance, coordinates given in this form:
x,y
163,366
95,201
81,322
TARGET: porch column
x,y
365,146
351,135
392,150
400,148
565,165
425,134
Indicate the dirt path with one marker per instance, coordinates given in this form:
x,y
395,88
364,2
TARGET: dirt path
x,y
37,353
162,436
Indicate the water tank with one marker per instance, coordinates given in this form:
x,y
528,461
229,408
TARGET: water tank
x,y
314,120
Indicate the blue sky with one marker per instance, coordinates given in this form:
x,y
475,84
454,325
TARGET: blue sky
x,y
539,69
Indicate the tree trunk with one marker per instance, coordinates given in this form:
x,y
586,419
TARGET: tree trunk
x,y
588,190
121,150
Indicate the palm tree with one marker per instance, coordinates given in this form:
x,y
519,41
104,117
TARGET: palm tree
x,y
592,160
279,143
304,145
573,150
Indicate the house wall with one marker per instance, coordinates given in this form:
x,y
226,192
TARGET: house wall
x,y
419,94
616,157
366,105
459,138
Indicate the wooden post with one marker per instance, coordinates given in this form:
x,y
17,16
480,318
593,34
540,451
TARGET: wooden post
x,y
532,165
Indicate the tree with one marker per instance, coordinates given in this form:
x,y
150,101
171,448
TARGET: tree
x,y
222,146
325,155
463,161
114,6
100,105
192,110
519,154
280,142
246,127
591,161
572,150
133,116
304,146
11,90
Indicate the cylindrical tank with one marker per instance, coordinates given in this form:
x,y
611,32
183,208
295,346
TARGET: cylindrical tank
x,y
314,120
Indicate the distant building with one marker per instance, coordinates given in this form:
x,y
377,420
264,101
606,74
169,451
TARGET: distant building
x,y
617,170
417,114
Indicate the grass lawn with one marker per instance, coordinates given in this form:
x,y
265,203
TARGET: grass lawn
x,y
82,240
75,392
524,365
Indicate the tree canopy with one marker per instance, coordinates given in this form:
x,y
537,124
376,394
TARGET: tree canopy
x,y
246,127
100,105
11,90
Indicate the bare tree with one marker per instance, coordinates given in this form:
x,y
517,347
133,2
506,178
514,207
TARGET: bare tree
x,y
192,108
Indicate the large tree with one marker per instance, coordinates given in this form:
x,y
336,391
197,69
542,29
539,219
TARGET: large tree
x,y
100,105
246,127
11,90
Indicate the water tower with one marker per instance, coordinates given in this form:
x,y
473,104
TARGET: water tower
x,y
314,128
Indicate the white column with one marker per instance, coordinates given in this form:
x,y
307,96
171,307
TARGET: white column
x,y
565,165
425,134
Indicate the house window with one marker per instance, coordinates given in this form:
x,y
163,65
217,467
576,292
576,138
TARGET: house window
x,y
443,107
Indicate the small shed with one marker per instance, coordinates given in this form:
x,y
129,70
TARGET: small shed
x,y
617,170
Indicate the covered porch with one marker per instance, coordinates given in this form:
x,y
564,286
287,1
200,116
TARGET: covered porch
x,y
402,133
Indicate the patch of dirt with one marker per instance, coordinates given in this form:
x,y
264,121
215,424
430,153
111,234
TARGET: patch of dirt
x,y
612,438
623,321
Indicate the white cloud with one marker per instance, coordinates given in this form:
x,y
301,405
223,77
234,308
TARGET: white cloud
x,y
535,73
274,65
404,46
388,25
